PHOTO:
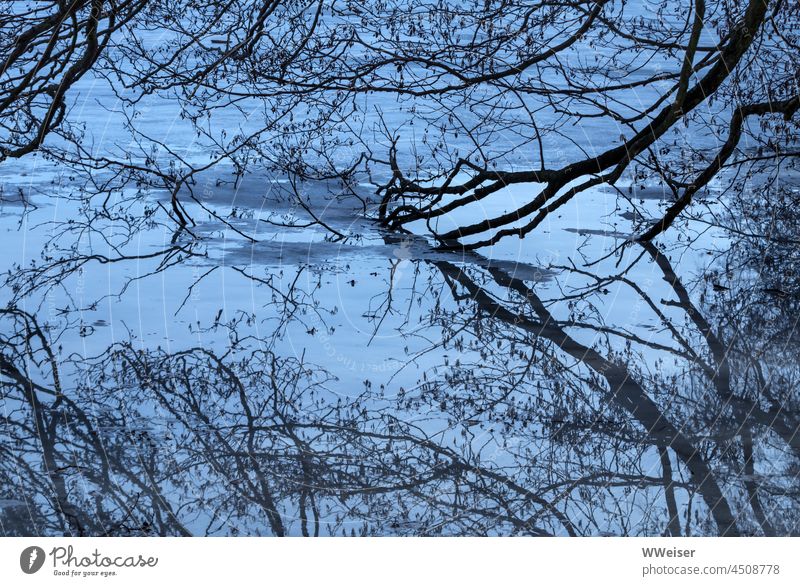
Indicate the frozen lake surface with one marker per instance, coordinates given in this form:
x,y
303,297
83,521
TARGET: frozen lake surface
x,y
306,384
274,370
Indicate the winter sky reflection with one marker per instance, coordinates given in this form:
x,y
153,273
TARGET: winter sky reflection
x,y
310,385
399,268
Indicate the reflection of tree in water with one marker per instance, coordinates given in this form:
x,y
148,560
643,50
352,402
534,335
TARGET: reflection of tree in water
x,y
678,445
525,428
538,411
